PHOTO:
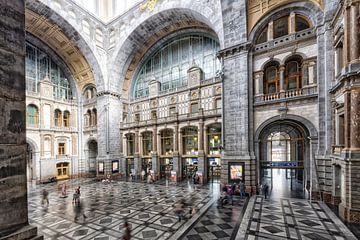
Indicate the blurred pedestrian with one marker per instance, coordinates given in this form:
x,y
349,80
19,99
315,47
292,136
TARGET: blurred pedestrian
x,y
127,232
45,197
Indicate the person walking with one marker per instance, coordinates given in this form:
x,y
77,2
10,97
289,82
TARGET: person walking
x,y
179,209
79,210
143,175
127,232
63,190
45,197
242,190
266,190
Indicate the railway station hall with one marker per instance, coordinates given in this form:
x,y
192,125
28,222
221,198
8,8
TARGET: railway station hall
x,y
179,119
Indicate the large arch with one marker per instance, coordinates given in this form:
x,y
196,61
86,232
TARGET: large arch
x,y
308,9
302,133
150,29
32,157
48,26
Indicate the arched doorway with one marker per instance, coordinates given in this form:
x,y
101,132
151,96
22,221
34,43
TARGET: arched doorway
x,y
30,162
284,158
92,155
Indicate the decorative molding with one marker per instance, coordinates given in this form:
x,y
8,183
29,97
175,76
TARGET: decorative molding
x,y
150,5
243,47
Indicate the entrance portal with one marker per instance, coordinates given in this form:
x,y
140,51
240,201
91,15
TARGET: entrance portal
x,y
283,159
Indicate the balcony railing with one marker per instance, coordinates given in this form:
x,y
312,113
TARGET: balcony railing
x,y
305,91
206,113
304,34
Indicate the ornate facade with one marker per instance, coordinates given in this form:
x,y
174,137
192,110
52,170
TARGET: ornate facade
x,y
257,91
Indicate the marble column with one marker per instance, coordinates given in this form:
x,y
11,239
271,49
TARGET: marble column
x,y
354,32
355,120
13,183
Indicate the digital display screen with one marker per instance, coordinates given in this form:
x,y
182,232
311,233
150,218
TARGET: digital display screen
x,y
236,172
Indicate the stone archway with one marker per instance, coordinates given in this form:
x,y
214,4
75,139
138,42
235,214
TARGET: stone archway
x,y
92,153
285,155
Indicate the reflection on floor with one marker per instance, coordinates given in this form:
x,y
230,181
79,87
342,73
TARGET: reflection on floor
x,y
218,222
149,209
285,187
291,219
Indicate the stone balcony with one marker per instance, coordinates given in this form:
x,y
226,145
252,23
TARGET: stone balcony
x,y
305,92
301,35
173,118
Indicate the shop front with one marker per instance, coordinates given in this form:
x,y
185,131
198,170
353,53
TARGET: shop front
x,y
130,166
166,166
146,165
190,167
214,168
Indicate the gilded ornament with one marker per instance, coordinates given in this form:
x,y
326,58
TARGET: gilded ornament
x,y
150,4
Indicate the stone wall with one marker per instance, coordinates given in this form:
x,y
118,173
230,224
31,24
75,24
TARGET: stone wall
x,y
13,209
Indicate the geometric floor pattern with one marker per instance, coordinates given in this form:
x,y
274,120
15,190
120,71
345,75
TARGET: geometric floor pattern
x,y
287,218
218,222
149,209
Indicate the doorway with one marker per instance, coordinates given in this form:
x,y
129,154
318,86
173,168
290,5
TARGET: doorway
x,y
283,159
62,170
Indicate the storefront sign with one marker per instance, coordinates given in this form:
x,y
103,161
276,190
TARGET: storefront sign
x,y
115,166
101,167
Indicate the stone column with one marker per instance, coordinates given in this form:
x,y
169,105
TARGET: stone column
x,y
154,154
355,120
354,32
176,154
282,78
137,158
109,112
13,183
270,33
201,154
292,27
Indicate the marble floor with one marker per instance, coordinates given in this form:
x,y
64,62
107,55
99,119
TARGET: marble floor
x,y
218,222
149,209
288,218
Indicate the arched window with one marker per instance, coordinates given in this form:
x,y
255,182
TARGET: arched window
x,y
167,141
58,118
263,36
293,73
66,119
90,117
271,78
32,115
281,27
94,115
301,23
190,140
130,144
39,65
170,63
214,139
147,141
